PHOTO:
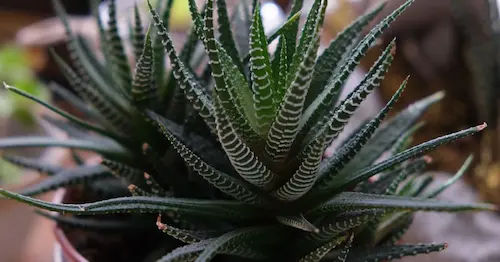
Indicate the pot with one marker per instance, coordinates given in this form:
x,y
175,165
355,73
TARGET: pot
x,y
64,251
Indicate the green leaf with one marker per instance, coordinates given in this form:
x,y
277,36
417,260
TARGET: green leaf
x,y
109,149
96,225
33,164
231,239
405,140
192,251
118,59
221,66
143,90
343,252
241,101
309,34
129,174
226,34
334,226
220,180
106,107
303,179
284,128
299,222
68,177
91,73
138,37
354,200
331,166
393,252
389,133
344,180
281,70
388,183
186,236
452,180
193,92
324,101
329,60
333,123
261,74
209,209
242,157
73,119
82,107
317,254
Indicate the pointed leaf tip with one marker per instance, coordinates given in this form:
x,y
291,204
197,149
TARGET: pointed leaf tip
x,y
159,224
482,126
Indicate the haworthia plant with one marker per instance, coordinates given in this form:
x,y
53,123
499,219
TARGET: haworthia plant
x,y
229,153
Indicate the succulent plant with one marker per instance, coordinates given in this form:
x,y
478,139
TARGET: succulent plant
x,y
230,153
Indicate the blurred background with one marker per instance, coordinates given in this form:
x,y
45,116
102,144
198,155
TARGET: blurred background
x,y
450,45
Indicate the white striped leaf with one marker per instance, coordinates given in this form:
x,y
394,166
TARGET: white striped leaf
x,y
244,160
220,180
193,92
324,101
143,89
120,67
261,74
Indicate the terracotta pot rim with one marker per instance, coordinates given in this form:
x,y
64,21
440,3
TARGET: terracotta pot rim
x,y
65,246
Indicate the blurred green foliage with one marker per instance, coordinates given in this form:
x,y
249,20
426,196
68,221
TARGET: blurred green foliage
x,y
15,70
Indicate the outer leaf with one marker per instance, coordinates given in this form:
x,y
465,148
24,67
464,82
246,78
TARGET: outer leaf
x,y
78,175
354,145
317,254
210,209
388,183
88,70
110,111
344,180
230,239
333,122
109,149
331,57
73,119
388,134
309,33
33,164
262,77
324,101
452,180
183,235
84,108
299,222
354,200
394,252
344,250
129,174
334,226
191,252
99,225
